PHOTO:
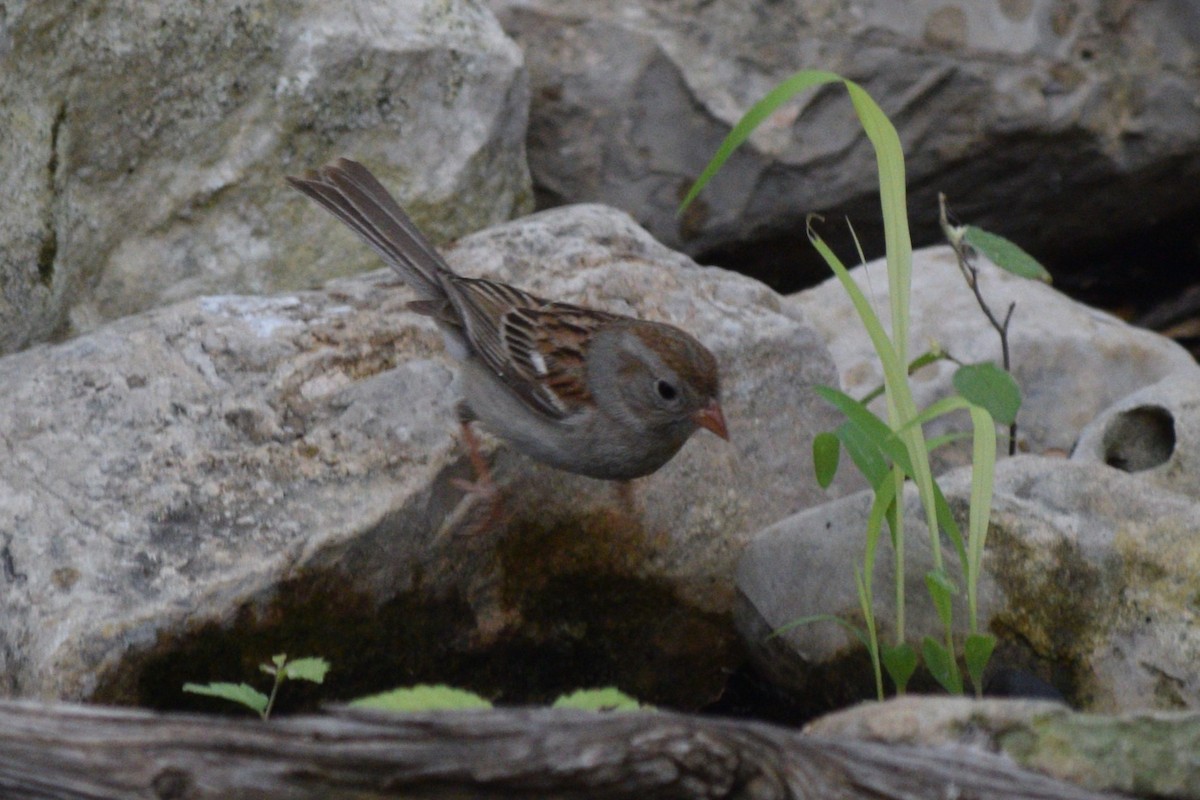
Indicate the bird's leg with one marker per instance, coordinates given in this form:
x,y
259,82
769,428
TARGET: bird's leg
x,y
483,487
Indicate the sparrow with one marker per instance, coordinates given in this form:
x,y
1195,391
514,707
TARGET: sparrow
x,y
586,391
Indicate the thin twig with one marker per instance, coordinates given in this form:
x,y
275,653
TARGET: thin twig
x,y
970,273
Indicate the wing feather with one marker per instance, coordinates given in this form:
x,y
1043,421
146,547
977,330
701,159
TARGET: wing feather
x,y
538,347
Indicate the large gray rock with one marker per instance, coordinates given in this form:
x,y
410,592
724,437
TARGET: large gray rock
x,y
1071,362
1088,580
186,491
1148,754
143,145
1018,111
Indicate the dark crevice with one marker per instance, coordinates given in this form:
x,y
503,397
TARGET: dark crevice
x,y
46,256
1148,275
49,250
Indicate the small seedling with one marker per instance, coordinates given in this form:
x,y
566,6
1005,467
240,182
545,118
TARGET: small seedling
x,y
447,698
608,699
307,669
424,698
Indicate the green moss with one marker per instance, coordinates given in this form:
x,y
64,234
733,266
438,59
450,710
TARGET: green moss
x,y
1137,754
1055,608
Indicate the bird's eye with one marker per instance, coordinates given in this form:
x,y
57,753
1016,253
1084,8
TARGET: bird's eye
x,y
665,390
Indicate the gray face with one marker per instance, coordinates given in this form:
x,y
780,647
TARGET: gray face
x,y
665,377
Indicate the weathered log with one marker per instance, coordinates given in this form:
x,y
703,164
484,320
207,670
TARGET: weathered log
x,y
71,751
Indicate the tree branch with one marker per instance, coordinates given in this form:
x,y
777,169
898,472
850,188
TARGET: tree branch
x,y
67,752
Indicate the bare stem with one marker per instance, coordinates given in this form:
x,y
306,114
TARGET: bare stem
x,y
970,274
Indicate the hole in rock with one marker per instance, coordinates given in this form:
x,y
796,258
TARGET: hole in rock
x,y
1139,439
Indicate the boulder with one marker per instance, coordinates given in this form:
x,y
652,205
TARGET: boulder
x,y
187,491
1143,753
1018,111
144,145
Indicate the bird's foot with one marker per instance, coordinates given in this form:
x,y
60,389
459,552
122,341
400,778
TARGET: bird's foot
x,y
483,488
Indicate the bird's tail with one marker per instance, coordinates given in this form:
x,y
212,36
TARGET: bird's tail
x,y
351,193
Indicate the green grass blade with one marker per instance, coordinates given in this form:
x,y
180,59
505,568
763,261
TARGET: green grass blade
x,y
942,590
983,478
948,524
923,360
889,159
867,606
786,90
854,630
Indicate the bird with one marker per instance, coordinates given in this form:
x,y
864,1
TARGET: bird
x,y
587,391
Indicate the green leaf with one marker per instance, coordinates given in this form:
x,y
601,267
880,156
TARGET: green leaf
x,y
277,660
900,662
977,651
307,669
942,590
990,387
1005,254
876,429
925,359
423,698
865,454
608,699
248,696
826,452
948,523
941,665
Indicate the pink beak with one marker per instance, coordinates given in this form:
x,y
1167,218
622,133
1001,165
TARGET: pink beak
x,y
713,419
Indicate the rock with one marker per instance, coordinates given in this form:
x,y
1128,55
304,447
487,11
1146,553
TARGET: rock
x,y
1146,753
1086,578
1017,111
1071,362
1154,432
188,491
146,144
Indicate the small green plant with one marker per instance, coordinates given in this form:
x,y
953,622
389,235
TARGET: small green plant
x,y
608,699
424,697
447,698
892,452
306,669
